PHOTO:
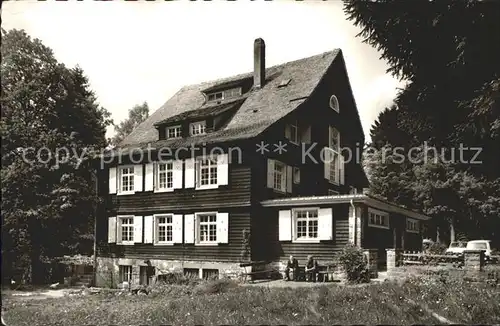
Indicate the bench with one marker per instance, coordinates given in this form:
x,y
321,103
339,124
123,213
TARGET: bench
x,y
265,272
326,271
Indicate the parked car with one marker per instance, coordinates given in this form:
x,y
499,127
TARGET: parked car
x,y
481,245
456,248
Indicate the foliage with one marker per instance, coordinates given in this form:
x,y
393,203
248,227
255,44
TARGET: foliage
x,y
50,126
354,264
136,116
245,245
448,59
436,249
387,303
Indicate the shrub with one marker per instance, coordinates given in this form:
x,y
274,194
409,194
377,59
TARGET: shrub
x,y
353,261
436,249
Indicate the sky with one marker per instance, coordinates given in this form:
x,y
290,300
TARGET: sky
x,y
146,51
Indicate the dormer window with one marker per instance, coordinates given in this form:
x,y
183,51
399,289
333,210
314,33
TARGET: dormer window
x,y
197,128
224,95
173,132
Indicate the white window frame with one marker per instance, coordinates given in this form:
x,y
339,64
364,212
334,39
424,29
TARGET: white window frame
x,y
157,231
295,219
198,128
413,222
120,179
335,158
198,228
213,164
294,132
376,213
334,103
283,177
177,132
214,94
167,171
120,225
296,175
127,271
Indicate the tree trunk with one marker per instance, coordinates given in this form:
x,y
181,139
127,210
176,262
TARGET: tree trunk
x,y
452,230
438,236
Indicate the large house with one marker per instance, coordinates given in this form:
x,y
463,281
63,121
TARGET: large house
x,y
256,166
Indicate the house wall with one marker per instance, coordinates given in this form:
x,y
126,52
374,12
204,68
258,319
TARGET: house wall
x,y
381,239
268,246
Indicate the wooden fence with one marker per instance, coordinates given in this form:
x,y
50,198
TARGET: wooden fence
x,y
422,258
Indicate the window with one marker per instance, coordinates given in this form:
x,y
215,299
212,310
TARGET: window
x,y
334,103
207,172
223,95
164,229
164,176
334,155
353,190
412,225
197,128
207,228
173,132
126,229
378,218
296,175
306,224
279,176
210,274
125,273
294,132
216,96
332,192
126,177
192,272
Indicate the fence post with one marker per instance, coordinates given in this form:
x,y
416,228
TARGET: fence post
x,y
372,261
474,260
393,258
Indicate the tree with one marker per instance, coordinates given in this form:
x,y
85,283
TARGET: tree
x,y
449,59
136,115
50,126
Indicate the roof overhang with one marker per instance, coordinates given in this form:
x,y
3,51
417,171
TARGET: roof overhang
x,y
343,199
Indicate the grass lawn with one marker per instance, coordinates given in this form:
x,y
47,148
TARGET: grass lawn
x,y
223,302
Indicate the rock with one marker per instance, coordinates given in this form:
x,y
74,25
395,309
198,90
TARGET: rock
x,y
54,286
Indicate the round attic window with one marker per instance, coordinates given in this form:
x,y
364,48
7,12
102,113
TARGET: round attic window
x,y
334,103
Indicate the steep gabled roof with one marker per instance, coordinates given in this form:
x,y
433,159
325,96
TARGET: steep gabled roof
x,y
261,108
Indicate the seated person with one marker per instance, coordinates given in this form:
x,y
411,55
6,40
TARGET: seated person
x,y
311,269
292,264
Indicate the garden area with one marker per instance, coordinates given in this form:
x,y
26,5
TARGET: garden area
x,y
428,298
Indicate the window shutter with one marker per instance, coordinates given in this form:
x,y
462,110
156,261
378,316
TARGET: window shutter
x,y
177,174
222,227
341,169
305,136
189,175
327,162
177,228
112,180
112,229
270,173
325,224
222,169
289,179
149,182
137,228
138,177
189,228
288,131
148,229
285,225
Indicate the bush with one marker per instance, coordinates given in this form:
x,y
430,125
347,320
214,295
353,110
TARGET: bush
x,y
436,249
353,261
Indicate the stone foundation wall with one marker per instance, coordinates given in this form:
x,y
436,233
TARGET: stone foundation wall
x,y
108,269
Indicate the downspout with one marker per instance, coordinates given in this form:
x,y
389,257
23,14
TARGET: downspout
x,y
354,219
94,276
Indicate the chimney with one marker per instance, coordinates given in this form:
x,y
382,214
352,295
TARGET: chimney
x,y
259,63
